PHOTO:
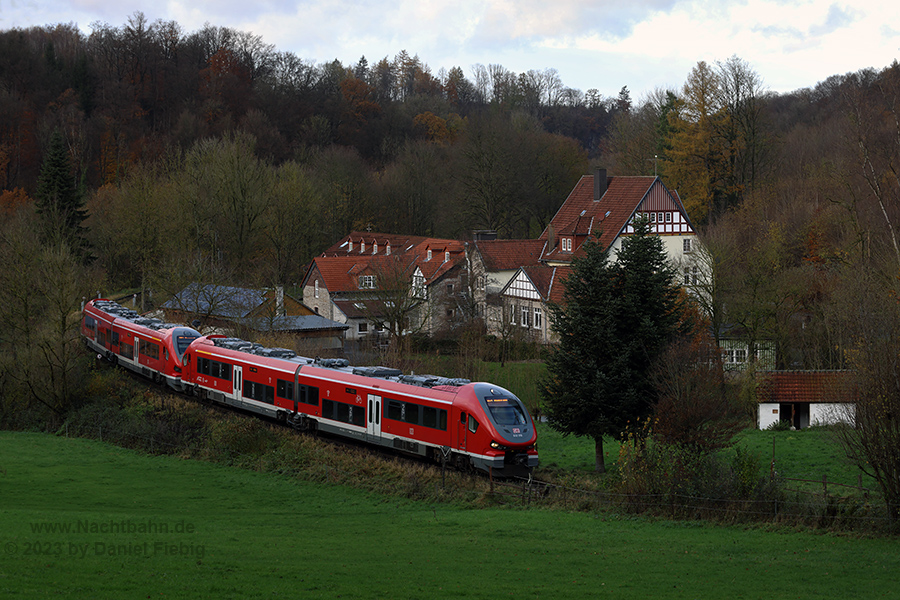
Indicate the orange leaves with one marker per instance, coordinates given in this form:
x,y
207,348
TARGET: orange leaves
x,y
12,200
432,127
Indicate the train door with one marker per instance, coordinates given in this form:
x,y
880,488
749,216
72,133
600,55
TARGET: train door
x,y
237,382
373,421
462,427
137,347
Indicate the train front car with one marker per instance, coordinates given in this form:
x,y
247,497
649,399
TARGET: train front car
x,y
141,344
496,431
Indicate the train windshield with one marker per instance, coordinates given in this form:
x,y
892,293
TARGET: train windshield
x,y
183,339
505,411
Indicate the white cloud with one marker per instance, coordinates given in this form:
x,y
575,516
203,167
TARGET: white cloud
x,y
604,44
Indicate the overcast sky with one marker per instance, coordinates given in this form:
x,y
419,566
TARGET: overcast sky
x,y
602,44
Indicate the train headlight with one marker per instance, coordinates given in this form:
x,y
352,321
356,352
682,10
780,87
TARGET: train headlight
x,y
497,446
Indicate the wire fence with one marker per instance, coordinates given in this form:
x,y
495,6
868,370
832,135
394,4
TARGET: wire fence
x,y
857,509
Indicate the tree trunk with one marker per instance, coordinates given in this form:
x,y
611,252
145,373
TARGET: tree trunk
x,y
599,463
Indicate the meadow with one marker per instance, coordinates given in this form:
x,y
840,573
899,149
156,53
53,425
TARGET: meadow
x,y
81,518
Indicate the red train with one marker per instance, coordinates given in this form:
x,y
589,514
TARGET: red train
x,y
469,424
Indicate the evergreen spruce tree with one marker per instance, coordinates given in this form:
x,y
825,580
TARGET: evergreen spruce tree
x,y
59,200
615,321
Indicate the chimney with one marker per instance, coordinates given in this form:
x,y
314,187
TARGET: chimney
x,y
551,237
599,184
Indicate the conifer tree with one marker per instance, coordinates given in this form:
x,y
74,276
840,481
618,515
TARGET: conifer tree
x,y
615,321
59,200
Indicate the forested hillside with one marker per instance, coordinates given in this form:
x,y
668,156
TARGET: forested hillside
x,y
212,155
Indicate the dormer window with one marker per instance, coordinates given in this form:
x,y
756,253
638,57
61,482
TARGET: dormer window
x,y
566,244
375,248
367,282
349,245
428,255
387,250
447,256
362,246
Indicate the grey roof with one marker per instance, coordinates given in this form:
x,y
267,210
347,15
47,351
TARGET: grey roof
x,y
235,304
298,323
216,300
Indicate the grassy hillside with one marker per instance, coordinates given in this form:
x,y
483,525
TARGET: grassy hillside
x,y
163,527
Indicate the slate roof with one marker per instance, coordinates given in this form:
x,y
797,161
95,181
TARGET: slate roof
x,y
218,300
236,304
297,323
778,387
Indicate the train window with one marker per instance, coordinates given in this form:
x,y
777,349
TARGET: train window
x,y
394,409
506,412
462,418
259,392
285,389
310,395
148,349
214,368
429,417
358,415
442,420
126,350
412,413
345,413
473,424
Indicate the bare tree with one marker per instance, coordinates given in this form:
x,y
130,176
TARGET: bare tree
x,y
871,318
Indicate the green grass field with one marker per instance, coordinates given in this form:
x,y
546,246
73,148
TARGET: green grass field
x,y
809,454
160,527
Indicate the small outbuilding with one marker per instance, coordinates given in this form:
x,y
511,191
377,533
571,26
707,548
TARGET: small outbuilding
x,y
805,398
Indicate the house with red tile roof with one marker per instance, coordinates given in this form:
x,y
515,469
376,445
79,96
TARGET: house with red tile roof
x,y
516,279
805,398
607,206
372,281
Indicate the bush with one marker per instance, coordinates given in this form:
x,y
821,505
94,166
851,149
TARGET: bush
x,y
779,426
656,476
